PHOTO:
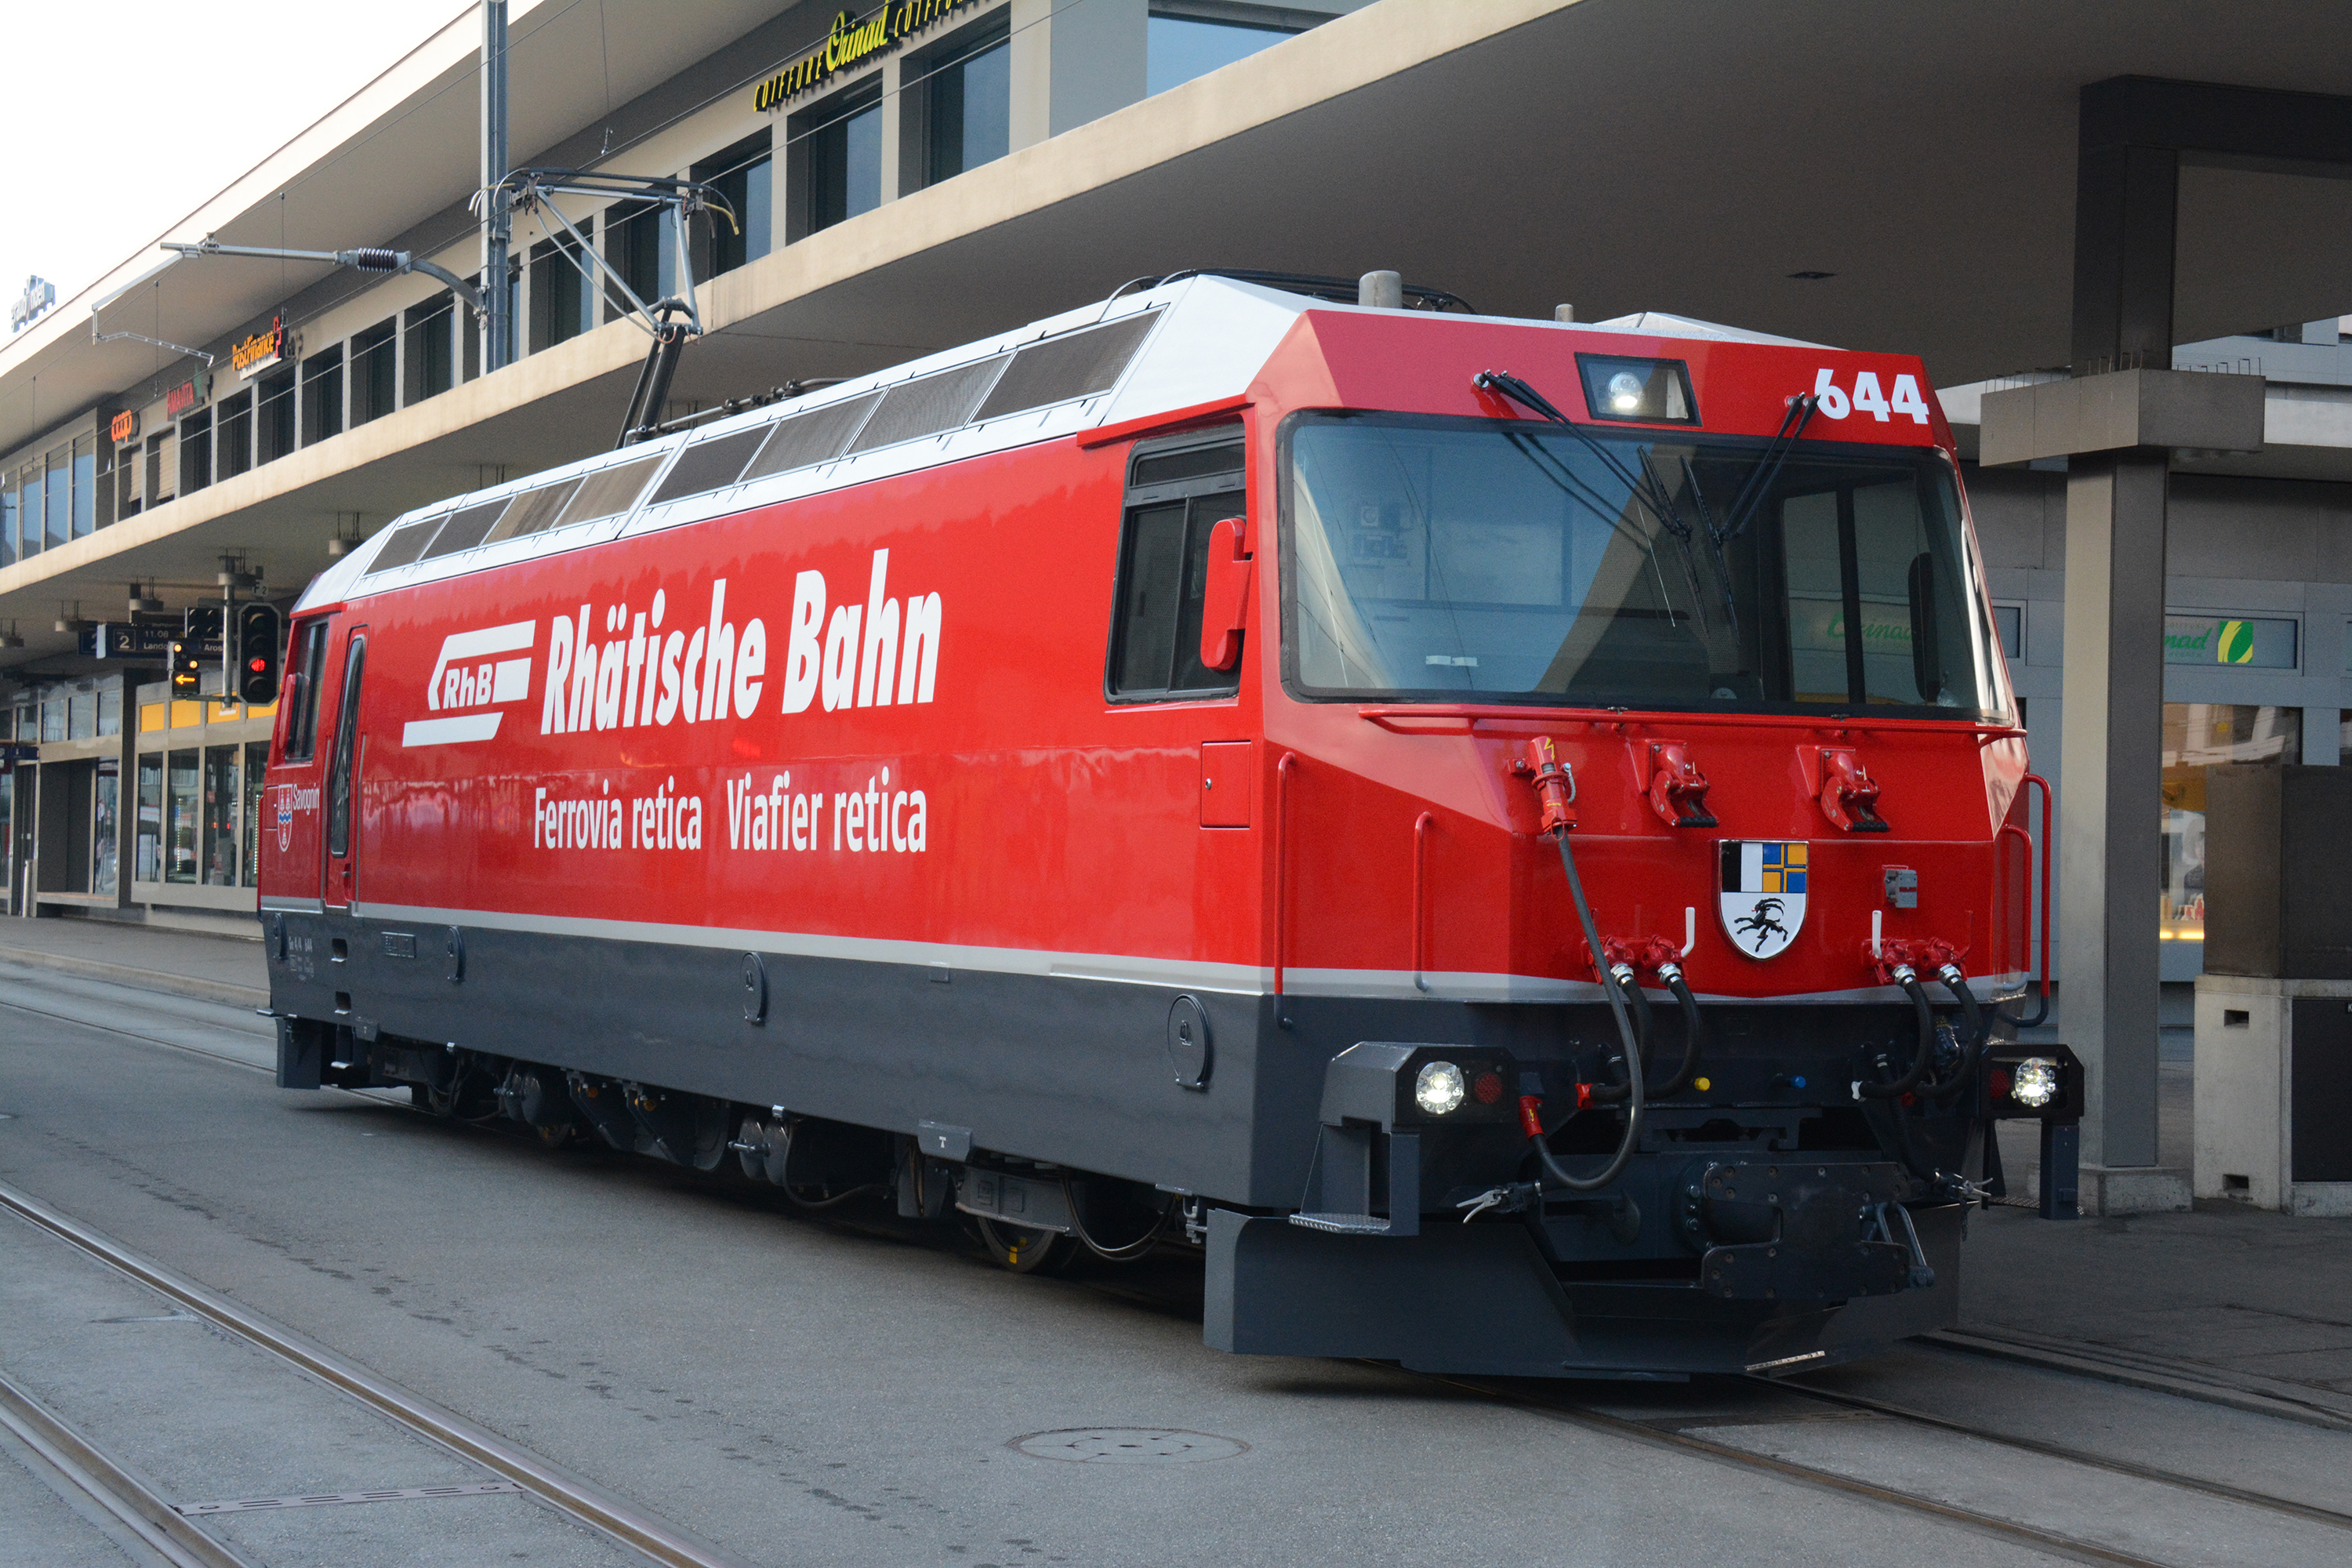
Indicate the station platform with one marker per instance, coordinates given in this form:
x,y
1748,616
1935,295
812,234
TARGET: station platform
x,y
2225,1303
224,969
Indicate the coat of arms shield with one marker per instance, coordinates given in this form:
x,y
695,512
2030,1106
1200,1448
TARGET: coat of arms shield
x,y
1762,897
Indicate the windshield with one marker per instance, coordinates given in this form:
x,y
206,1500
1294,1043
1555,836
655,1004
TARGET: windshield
x,y
1461,559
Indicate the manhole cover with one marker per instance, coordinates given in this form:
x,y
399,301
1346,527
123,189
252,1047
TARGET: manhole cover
x,y
1128,1445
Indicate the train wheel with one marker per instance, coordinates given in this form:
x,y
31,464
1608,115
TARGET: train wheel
x,y
1021,1249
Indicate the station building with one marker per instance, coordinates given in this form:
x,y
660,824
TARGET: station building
x,y
1900,175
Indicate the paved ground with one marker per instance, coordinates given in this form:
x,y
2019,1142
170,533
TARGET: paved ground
x,y
845,1392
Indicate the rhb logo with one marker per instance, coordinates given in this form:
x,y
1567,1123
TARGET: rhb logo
x,y
470,674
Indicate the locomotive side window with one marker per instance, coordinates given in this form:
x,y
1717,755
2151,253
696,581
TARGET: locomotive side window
x,y
1443,558
302,724
339,776
1178,491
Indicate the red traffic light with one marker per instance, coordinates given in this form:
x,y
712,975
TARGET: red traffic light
x,y
256,664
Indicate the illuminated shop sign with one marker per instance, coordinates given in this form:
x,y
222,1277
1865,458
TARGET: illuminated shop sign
x,y
187,395
853,41
125,426
250,356
2257,644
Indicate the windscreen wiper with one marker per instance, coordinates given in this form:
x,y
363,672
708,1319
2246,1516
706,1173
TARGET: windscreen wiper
x,y
1646,488
1767,468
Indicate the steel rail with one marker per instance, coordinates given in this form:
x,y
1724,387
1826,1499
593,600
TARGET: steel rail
x,y
131,1502
1571,1414
581,1499
2312,1512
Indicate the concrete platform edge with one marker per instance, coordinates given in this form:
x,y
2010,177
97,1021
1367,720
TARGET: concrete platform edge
x,y
191,986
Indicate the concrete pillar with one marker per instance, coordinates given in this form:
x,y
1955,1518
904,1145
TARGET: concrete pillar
x,y
2117,431
2108,849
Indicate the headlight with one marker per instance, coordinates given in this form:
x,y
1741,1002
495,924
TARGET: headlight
x,y
1625,391
2036,1082
1439,1088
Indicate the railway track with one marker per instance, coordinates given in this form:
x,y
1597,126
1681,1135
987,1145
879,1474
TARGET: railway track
x,y
1682,1434
122,1494
1700,1436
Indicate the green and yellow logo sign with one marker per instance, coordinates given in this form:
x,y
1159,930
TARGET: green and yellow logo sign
x,y
2262,643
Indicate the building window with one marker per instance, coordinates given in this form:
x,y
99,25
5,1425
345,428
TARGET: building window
x,y
7,520
2198,738
147,845
641,244
159,468
256,758
322,395
375,371
105,826
432,330
274,416
968,104
222,801
109,710
81,715
1182,45
53,719
85,486
743,175
562,306
233,439
196,451
58,496
183,804
842,139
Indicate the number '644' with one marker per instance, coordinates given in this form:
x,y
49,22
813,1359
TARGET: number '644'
x,y
1868,397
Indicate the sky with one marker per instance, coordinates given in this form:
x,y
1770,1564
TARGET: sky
x,y
129,115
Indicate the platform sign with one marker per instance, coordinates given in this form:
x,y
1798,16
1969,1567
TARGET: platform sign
x,y
15,752
136,642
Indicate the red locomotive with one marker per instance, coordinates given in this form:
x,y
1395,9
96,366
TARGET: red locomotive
x,y
1506,834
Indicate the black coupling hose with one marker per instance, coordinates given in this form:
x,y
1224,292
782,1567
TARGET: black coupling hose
x,y
1550,1165
1921,1056
1979,1029
1644,1026
1692,1033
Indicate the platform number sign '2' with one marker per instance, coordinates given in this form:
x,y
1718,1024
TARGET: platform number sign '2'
x,y
1868,397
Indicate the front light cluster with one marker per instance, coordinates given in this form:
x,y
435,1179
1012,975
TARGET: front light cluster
x,y
1439,1088
2034,1082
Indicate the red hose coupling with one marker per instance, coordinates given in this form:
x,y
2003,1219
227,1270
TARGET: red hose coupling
x,y
1644,954
1555,785
1925,955
1531,1114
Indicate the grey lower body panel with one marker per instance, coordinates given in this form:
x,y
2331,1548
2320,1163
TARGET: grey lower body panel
x,y
1480,1299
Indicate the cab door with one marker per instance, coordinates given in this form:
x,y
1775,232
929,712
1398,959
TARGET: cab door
x,y
290,838
346,762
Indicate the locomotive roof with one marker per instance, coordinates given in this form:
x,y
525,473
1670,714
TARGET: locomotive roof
x,y
1187,343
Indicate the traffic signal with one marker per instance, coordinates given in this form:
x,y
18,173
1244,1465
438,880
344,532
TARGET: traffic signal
x,y
257,657
187,667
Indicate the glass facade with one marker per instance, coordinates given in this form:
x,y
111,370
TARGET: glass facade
x,y
147,842
106,828
744,174
845,164
970,119
2198,738
222,803
184,782
1179,48
257,760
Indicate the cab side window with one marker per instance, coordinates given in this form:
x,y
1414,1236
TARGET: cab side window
x,y
302,723
1178,490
